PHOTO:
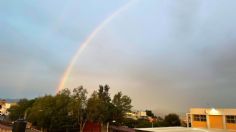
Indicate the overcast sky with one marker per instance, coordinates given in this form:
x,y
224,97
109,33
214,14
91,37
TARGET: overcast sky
x,y
166,55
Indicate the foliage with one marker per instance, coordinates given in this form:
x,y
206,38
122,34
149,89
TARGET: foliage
x,y
18,111
172,120
131,123
143,123
77,106
122,105
149,113
72,109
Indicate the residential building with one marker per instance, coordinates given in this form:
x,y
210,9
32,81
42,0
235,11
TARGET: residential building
x,y
4,105
212,118
136,115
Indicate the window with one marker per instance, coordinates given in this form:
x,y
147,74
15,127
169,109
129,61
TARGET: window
x,y
199,117
231,119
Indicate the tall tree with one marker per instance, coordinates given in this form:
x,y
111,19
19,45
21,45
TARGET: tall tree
x,y
50,112
41,113
94,108
103,93
104,103
122,105
150,113
78,106
20,109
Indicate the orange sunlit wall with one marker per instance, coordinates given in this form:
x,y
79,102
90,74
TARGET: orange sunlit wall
x,y
231,126
199,124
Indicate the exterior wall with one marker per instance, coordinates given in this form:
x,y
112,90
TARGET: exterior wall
x,y
4,107
199,124
213,111
216,121
216,118
230,126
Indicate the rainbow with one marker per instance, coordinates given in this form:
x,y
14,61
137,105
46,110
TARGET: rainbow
x,y
87,41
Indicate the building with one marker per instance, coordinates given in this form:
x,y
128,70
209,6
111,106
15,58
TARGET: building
x,y
141,114
4,105
136,115
212,118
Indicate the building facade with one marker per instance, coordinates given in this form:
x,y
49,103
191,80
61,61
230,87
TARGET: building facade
x,y
4,105
212,118
136,115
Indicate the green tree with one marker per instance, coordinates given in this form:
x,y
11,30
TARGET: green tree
x,y
122,105
131,123
94,108
143,123
60,111
49,112
150,113
78,106
172,120
99,107
104,103
41,112
20,109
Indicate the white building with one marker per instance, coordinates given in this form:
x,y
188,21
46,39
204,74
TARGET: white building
x,y
136,115
4,106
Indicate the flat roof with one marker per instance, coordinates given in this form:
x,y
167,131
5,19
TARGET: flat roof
x,y
179,129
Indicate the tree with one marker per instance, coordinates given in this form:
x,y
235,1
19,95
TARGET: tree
x,y
143,123
42,111
94,108
131,123
149,113
122,105
104,103
172,120
72,109
78,106
20,109
60,111
50,112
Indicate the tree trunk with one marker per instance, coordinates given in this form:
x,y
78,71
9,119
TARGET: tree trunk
x,y
107,126
82,125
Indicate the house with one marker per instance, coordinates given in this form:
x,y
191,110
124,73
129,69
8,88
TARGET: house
x,y
212,118
136,115
4,105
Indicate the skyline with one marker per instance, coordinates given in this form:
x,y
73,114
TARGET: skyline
x,y
165,55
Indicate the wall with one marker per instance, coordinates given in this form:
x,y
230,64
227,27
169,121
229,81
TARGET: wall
x,y
215,118
231,126
199,124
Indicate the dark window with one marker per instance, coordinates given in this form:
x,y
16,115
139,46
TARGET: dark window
x,y
230,119
199,118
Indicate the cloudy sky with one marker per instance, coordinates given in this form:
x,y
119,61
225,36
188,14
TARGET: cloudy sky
x,y
166,55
